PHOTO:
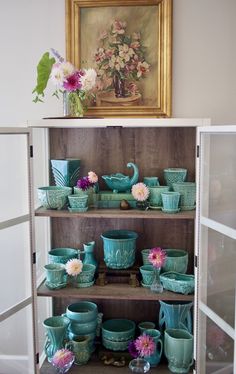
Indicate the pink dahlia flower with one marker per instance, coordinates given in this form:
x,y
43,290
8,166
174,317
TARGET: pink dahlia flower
x,y
157,257
140,191
73,81
62,357
92,177
145,345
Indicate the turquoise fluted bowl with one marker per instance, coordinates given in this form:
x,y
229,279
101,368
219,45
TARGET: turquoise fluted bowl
x,y
119,248
118,330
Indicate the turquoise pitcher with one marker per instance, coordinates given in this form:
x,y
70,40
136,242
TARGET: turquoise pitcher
x,y
175,315
56,331
155,358
89,257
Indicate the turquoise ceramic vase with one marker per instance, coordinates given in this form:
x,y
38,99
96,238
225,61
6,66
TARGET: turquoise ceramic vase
x,y
155,358
89,257
176,315
178,348
65,171
56,329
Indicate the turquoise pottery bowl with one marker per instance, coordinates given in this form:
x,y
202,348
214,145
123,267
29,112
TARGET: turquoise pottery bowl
x,y
82,312
145,253
118,330
83,328
146,325
119,248
115,345
155,195
176,260
78,201
176,282
62,255
147,272
174,175
170,200
53,197
87,274
187,192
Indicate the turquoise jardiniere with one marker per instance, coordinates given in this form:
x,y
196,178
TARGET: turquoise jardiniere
x,y
145,253
65,171
56,334
86,275
170,201
82,311
147,272
118,330
119,248
187,192
176,260
155,196
53,197
122,183
151,181
146,325
80,347
174,175
177,282
88,252
78,201
155,358
62,255
175,315
90,193
56,276
178,349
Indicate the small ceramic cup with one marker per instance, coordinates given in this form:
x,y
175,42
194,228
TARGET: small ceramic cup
x,y
151,181
170,201
56,276
147,273
143,326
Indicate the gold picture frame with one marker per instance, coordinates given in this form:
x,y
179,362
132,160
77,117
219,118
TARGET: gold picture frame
x,y
150,20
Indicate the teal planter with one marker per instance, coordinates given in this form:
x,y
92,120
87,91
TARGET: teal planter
x,y
187,192
87,275
118,330
155,196
65,171
145,253
178,349
82,312
53,197
56,276
119,248
174,175
143,326
56,329
176,282
170,201
175,315
147,272
176,260
151,181
122,183
80,347
62,255
155,358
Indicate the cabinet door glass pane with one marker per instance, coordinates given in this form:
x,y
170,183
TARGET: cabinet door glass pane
x,y
216,349
219,178
217,276
16,338
15,270
14,198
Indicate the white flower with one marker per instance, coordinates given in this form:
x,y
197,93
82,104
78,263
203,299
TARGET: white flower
x,y
92,177
67,68
74,267
142,67
57,76
140,191
88,80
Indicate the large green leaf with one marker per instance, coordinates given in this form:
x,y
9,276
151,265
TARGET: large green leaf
x,y
44,68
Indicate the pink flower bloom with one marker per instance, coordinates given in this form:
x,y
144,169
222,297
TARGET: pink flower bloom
x,y
118,27
62,357
135,45
92,177
132,88
145,345
157,257
74,267
142,67
73,82
103,35
140,191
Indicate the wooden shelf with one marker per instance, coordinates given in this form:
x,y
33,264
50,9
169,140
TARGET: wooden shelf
x,y
115,213
112,292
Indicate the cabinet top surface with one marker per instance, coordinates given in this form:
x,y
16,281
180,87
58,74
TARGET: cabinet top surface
x,y
61,122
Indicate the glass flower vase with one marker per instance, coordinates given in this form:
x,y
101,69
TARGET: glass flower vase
x,y
72,105
139,365
156,285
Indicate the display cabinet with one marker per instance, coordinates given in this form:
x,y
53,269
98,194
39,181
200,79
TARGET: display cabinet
x,y
105,146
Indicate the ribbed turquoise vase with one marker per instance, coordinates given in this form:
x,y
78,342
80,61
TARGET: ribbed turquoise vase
x,y
65,171
56,328
175,315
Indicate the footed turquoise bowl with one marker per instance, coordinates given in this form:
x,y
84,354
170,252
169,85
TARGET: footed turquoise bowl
x,y
147,272
176,260
174,175
87,274
118,330
176,282
119,248
53,197
62,255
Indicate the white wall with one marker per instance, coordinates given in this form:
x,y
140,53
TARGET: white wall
x,y
204,58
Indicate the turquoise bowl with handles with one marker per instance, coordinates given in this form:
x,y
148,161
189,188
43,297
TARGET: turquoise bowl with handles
x,y
62,255
119,248
118,330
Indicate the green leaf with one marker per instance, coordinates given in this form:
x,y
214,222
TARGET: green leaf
x,y
44,68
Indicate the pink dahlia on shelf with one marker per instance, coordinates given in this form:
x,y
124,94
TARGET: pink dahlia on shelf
x,y
62,358
157,257
73,81
92,177
145,345
140,191
74,267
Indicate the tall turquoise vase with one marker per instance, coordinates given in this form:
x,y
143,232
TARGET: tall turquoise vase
x,y
56,334
155,358
65,171
175,315
89,257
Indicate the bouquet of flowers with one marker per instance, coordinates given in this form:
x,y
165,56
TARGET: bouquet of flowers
x,y
90,180
120,57
77,83
140,348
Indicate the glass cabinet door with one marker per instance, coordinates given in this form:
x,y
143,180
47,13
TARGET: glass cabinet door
x,y
17,315
216,251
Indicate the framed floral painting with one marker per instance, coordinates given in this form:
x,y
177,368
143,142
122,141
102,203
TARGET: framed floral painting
x,y
129,44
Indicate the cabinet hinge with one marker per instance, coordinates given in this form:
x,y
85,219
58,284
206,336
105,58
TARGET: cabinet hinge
x,y
37,358
31,151
197,151
115,127
194,364
196,261
34,258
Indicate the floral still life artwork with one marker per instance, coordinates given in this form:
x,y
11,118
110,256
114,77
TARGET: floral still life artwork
x,y
75,84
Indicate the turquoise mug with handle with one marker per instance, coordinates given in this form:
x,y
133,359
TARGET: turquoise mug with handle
x,y
155,358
